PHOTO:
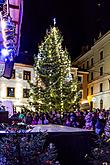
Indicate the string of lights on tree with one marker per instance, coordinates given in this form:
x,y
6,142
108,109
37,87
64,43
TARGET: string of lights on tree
x,y
54,87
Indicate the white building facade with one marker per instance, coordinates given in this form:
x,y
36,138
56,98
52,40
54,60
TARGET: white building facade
x,y
17,88
97,62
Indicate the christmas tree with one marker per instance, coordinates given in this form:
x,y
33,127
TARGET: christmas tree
x,y
54,87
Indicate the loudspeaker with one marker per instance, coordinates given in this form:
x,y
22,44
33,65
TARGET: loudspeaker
x,y
8,69
3,116
1,7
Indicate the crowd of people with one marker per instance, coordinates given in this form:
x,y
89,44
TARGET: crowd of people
x,y
92,120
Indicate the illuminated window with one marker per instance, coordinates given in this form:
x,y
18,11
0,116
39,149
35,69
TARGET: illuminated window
x,y
25,93
26,75
91,90
101,55
10,92
101,87
13,74
101,71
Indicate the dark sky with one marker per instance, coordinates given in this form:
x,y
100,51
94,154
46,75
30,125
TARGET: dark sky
x,y
78,20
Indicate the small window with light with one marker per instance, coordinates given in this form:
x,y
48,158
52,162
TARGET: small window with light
x,y
10,92
25,93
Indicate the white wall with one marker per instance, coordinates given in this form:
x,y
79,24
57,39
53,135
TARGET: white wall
x,y
18,83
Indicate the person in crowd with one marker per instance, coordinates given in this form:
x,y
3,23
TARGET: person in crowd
x,y
81,120
67,123
88,119
100,124
39,121
21,116
46,120
15,115
29,119
58,118
34,122
95,119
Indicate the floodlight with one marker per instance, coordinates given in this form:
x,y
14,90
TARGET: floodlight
x,y
3,24
6,59
4,52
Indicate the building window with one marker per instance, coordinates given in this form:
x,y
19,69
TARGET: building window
x,y
10,92
81,94
25,93
101,55
91,75
92,62
109,83
91,90
87,64
83,66
101,71
72,74
79,79
13,74
26,75
101,87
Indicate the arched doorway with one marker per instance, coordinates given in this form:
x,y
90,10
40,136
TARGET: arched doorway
x,y
101,104
91,105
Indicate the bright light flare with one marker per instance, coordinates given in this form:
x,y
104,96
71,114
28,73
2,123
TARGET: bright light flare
x,y
4,52
3,24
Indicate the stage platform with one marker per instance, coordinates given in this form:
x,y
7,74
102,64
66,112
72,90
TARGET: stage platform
x,y
57,128
72,144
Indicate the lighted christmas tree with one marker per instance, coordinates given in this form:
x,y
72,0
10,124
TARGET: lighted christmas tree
x,y
54,87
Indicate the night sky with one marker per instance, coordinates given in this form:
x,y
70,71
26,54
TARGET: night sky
x,y
79,22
